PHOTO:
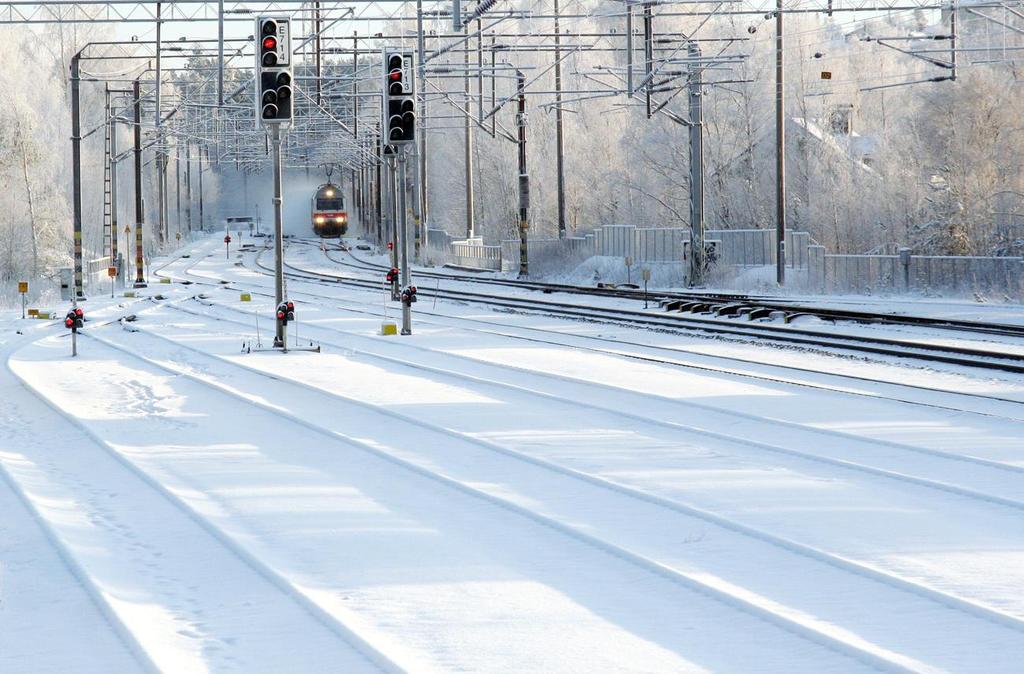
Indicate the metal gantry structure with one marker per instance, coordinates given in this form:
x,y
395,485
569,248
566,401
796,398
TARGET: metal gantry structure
x,y
197,92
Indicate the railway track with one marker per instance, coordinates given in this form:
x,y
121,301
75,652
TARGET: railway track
x,y
788,335
658,587
846,450
562,493
956,401
708,301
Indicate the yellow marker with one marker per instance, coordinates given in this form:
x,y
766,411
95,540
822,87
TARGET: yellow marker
x,y
33,312
246,297
388,328
165,280
22,287
129,293
43,314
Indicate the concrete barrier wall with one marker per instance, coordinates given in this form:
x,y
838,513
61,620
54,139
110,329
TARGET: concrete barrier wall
x,y
924,274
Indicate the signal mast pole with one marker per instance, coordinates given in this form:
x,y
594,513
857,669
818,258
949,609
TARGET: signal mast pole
x,y
281,334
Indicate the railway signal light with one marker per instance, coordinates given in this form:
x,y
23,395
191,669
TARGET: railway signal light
x,y
392,275
285,312
74,319
282,313
409,295
274,104
391,245
399,98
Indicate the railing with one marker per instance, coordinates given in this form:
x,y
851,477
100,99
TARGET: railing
x,y
474,254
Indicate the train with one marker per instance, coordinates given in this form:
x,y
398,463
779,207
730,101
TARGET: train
x,y
328,214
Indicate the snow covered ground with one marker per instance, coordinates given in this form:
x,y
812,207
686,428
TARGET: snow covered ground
x,y
496,493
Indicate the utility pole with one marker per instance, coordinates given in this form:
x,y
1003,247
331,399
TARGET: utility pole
x,y
780,153
188,184
524,179
114,186
140,214
421,105
220,53
470,215
177,182
76,173
318,63
559,136
202,217
697,252
161,159
281,334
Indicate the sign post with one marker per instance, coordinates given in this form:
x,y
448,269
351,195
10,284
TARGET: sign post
x,y
23,290
645,274
629,269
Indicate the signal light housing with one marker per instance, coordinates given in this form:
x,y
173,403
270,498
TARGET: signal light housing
x,y
409,295
399,98
74,319
273,71
285,312
392,275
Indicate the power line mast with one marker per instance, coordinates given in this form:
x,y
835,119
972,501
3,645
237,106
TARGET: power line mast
x,y
698,263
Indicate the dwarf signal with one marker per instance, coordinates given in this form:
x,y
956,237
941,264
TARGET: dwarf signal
x,y
285,312
274,100
392,275
409,295
74,319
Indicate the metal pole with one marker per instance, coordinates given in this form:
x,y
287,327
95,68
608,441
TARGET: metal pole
x,y
188,185
697,263
403,229
316,52
113,187
281,334
140,215
160,175
161,170
952,40
559,135
177,182
629,50
76,173
470,219
780,153
202,217
423,228
648,55
220,53
524,179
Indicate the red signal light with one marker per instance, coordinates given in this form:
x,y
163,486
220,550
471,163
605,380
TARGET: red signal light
x,y
395,75
79,313
291,306
280,315
69,322
391,245
270,42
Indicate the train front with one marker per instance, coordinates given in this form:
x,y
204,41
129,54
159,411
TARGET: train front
x,y
329,216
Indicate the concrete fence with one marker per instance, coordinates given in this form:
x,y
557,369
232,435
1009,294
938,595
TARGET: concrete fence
x,y
741,249
925,274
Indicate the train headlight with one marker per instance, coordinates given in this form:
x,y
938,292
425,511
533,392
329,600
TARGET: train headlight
x,y
329,193
319,219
